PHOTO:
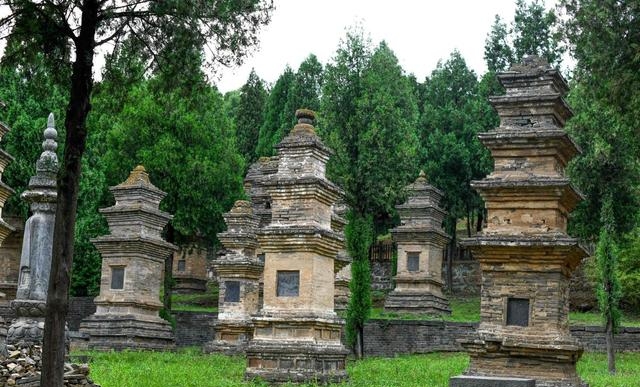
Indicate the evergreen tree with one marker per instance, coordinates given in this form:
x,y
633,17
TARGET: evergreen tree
x,y
359,237
277,115
498,53
609,285
306,86
535,32
249,116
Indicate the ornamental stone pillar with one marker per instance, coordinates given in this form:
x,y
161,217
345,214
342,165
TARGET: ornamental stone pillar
x,y
526,257
37,247
297,333
133,255
239,272
421,241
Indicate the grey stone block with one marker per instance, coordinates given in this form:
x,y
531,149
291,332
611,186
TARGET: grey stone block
x,y
489,381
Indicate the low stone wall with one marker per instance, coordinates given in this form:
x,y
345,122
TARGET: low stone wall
x,y
397,337
79,309
194,328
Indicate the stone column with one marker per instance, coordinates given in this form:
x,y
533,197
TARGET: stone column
x,y
5,190
239,272
526,257
297,333
37,246
421,241
133,258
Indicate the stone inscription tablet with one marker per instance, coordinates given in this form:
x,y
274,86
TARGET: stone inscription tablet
x,y
288,283
232,291
518,312
117,278
413,261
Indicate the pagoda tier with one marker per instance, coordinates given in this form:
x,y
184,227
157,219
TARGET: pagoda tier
x,y
525,255
5,190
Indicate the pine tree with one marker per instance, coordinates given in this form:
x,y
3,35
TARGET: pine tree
x,y
277,114
249,115
497,48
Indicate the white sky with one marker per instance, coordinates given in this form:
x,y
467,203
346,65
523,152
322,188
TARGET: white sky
x,y
420,32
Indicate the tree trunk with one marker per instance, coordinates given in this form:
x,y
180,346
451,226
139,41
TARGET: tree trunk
x,y
450,253
168,283
480,220
359,344
53,354
611,350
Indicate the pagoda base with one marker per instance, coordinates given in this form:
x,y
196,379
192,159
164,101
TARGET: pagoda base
x,y
550,363
296,362
297,349
487,381
231,338
416,302
120,332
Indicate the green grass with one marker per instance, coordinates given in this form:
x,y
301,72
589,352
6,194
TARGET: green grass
x,y
463,309
594,318
198,302
191,368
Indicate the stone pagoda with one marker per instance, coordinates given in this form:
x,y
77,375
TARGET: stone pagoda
x,y
10,252
526,257
239,272
133,258
5,190
421,241
37,246
297,333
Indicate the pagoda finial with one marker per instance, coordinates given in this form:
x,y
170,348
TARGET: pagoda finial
x,y
138,176
48,162
422,175
305,119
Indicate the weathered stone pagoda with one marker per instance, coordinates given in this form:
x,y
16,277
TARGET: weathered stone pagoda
x,y
133,257
525,254
297,333
10,252
189,269
239,272
342,265
37,246
5,190
421,241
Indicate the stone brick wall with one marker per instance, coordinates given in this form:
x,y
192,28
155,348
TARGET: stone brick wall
x,y
396,337
79,308
194,328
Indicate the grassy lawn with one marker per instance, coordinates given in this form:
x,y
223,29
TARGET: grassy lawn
x,y
198,302
190,368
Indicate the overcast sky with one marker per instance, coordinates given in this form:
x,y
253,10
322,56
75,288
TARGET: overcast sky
x,y
420,32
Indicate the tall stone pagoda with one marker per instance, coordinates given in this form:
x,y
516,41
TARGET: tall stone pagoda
x,y
421,241
133,258
239,272
525,254
297,333
37,246
5,190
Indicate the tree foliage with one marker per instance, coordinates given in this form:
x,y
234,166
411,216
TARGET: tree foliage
x,y
248,115
277,115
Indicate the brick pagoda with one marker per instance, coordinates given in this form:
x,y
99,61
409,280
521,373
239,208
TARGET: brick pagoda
x,y
5,190
525,254
133,257
239,272
421,241
297,333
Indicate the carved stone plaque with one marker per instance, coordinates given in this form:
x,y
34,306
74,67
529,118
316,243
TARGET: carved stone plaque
x,y
413,261
288,283
231,291
518,312
117,277
182,264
